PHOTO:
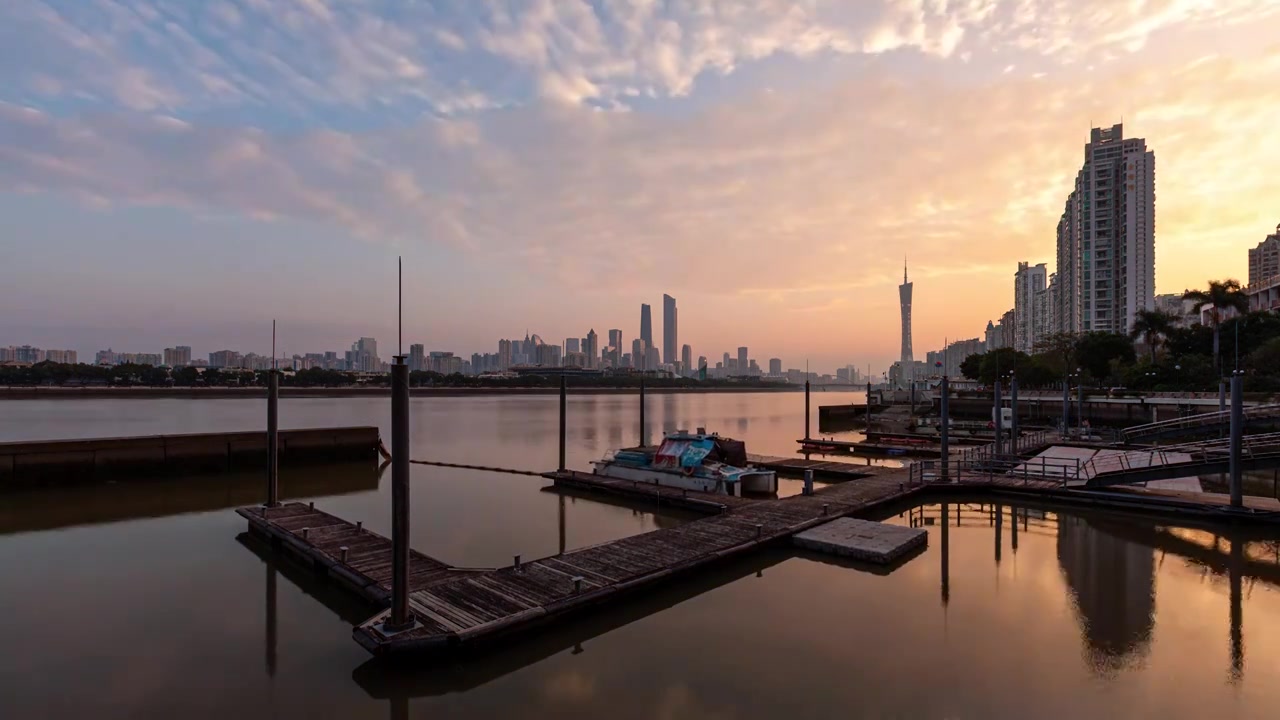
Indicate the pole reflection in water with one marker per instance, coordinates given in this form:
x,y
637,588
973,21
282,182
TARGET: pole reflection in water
x,y
946,552
1234,572
271,620
1013,529
999,522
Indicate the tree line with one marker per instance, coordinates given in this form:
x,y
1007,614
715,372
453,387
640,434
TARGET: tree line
x,y
129,375
1158,354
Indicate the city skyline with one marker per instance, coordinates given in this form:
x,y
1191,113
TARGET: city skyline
x,y
805,162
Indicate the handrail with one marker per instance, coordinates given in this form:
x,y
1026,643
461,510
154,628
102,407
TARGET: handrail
x,y
1200,420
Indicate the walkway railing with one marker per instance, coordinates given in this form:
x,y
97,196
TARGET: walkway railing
x,y
1203,420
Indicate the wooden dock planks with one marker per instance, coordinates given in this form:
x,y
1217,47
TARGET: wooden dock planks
x,y
827,470
367,569
461,610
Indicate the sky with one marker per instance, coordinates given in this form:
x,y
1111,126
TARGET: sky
x,y
177,172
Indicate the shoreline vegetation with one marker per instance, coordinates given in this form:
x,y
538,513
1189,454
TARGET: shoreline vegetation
x,y
198,393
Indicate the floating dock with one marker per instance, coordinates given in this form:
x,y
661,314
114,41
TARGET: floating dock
x,y
864,540
49,462
828,470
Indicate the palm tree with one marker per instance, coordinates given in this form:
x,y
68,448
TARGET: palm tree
x,y
1151,326
1221,295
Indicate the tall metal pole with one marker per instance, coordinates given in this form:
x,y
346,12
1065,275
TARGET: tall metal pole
x,y
999,421
400,617
1080,406
642,432
868,401
562,421
1013,401
1222,395
806,410
1237,438
945,430
273,439
1066,406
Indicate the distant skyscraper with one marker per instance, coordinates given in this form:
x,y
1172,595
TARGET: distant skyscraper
x,y
742,361
615,339
638,352
572,345
686,359
904,298
669,336
775,366
417,357
652,360
1028,281
1264,260
1106,236
504,354
646,326
592,349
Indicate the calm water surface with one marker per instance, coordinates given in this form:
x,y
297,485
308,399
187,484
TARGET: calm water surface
x,y
145,599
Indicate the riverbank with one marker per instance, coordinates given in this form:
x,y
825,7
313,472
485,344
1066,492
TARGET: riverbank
x,y
197,393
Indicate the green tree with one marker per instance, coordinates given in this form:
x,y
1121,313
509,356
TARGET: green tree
x,y
1056,353
1222,295
971,367
1000,362
1100,352
1151,326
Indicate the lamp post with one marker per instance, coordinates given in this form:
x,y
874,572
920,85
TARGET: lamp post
x,y
1066,401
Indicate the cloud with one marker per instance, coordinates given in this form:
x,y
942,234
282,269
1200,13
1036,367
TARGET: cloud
x,y
301,57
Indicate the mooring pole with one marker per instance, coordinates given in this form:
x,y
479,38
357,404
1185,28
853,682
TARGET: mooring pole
x,y
806,410
1013,402
1080,407
945,430
868,405
273,439
1066,407
1237,438
563,414
999,421
400,618
642,433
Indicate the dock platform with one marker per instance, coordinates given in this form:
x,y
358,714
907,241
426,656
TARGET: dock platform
x,y
694,500
864,540
316,537
827,470
467,610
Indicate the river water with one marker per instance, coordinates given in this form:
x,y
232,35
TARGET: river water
x,y
144,599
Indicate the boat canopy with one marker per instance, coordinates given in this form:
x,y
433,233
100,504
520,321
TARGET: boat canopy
x,y
680,450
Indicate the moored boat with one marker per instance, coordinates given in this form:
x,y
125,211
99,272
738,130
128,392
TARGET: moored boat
x,y
694,461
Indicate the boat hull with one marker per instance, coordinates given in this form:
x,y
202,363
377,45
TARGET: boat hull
x,y
665,478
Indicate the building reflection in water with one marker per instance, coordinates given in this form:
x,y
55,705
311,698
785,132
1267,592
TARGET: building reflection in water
x,y
1112,584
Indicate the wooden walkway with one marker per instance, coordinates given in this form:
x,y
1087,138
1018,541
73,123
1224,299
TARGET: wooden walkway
x,y
822,469
467,609
317,537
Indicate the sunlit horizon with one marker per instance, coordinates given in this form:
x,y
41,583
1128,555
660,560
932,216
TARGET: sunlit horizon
x,y
180,175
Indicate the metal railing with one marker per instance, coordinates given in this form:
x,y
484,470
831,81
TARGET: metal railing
x,y
1191,422
988,468
1197,452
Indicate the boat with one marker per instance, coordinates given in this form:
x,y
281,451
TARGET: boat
x,y
699,461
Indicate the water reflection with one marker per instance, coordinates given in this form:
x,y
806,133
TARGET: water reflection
x,y
1112,583
75,505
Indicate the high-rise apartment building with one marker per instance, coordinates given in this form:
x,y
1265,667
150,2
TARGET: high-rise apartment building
x,y
572,345
904,299
742,361
1027,282
179,356
669,335
775,366
504,354
1106,236
217,359
638,352
417,357
646,325
686,359
1264,260
363,356
65,357
652,360
615,338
